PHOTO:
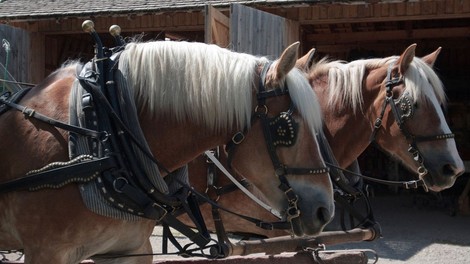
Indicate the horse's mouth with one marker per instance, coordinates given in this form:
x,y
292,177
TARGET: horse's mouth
x,y
439,183
299,229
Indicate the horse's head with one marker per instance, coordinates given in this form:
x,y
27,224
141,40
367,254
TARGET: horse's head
x,y
195,96
281,150
415,127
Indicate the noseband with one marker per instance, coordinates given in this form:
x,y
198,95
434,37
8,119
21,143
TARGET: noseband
x,y
278,131
403,109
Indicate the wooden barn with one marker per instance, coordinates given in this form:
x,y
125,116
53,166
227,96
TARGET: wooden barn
x,y
44,34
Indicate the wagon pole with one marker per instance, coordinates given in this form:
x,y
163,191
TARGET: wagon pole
x,y
278,245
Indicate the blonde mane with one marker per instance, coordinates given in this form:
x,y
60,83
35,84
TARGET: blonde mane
x,y
205,83
345,80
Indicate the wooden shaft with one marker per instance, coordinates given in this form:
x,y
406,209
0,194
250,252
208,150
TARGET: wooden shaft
x,y
278,245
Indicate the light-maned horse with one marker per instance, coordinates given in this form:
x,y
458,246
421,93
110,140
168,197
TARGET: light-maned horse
x,y
190,97
352,96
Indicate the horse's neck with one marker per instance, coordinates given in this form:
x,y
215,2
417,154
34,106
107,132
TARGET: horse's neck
x,y
348,131
175,145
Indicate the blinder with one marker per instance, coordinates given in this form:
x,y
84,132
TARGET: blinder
x,y
284,129
281,130
404,106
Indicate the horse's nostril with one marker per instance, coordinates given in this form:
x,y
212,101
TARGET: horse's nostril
x,y
323,215
451,170
447,170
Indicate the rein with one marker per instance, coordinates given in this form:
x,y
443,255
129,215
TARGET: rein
x,y
402,109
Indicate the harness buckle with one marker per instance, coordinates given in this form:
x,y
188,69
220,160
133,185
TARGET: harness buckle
x,y
238,138
159,209
266,226
103,136
292,211
422,171
378,123
411,185
213,192
281,171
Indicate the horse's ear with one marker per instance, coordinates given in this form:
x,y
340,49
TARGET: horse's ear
x,y
305,62
406,58
284,65
430,59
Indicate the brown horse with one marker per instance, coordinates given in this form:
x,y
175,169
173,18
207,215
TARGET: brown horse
x,y
189,97
352,96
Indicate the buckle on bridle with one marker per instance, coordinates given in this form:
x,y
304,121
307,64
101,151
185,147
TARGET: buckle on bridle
x,y
411,185
238,138
280,171
292,211
378,123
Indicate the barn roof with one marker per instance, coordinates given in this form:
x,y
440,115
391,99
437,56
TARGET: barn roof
x,y
47,9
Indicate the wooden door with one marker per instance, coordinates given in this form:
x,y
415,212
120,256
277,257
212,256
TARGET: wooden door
x,y
260,33
250,30
216,27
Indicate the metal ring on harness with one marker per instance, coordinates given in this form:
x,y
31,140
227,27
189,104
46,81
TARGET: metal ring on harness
x,y
103,137
257,108
117,186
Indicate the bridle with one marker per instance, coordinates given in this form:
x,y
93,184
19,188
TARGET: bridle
x,y
278,131
403,109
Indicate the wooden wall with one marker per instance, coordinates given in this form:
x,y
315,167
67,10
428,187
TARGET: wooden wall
x,y
385,27
55,41
256,32
18,58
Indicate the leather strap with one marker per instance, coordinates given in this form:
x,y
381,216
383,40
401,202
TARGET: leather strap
x,y
58,177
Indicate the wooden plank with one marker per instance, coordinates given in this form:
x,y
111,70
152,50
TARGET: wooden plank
x,y
429,33
37,58
19,44
304,13
465,6
449,6
323,12
411,10
428,8
315,13
277,245
292,32
217,27
384,10
335,11
178,19
260,33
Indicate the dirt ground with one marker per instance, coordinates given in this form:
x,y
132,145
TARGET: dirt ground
x,y
418,228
